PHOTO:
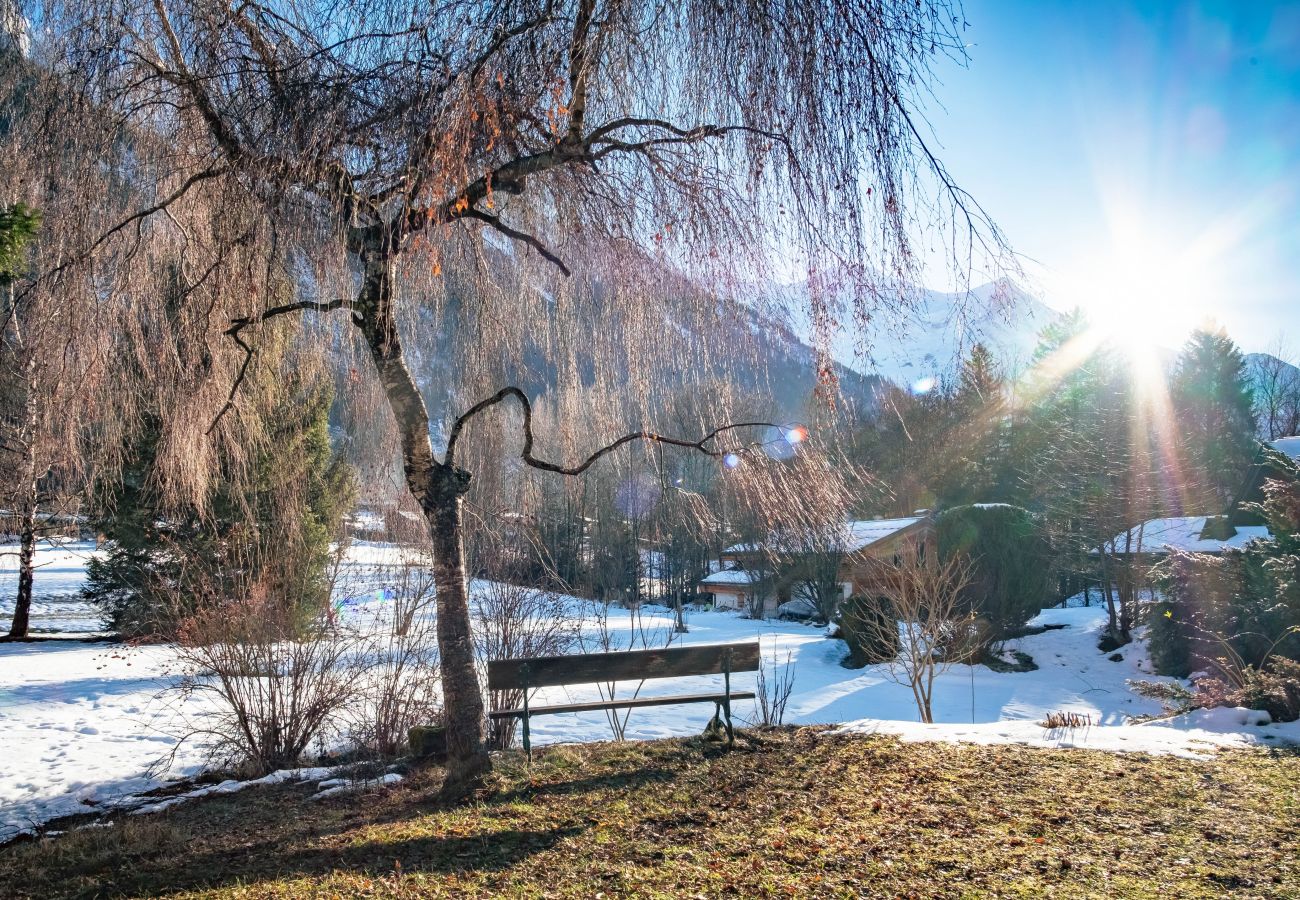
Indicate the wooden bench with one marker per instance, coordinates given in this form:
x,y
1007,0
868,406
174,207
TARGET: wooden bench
x,y
630,665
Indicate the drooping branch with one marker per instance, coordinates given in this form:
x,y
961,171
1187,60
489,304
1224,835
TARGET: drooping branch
x,y
526,454
517,235
238,325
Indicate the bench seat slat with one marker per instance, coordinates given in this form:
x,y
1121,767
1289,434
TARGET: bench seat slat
x,y
630,703
587,668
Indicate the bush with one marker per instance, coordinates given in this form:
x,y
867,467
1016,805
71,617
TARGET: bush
x,y
1011,562
1227,609
1168,640
276,682
1275,690
864,625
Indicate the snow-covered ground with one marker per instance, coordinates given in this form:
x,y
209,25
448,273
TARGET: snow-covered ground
x,y
57,606
82,725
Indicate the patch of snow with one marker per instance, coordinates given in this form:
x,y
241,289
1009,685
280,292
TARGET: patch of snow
x,y
1194,737
1288,445
337,787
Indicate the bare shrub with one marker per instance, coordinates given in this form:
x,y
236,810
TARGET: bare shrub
x,y
934,628
517,622
603,637
394,628
277,676
774,690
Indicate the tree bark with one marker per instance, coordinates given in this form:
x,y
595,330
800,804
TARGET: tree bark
x,y
438,489
26,554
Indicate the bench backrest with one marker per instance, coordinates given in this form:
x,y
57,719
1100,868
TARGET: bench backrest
x,y
628,665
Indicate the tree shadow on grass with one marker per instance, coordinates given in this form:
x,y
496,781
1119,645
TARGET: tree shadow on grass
x,y
489,850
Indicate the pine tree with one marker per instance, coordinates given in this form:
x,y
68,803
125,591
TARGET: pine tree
x,y
1215,414
165,563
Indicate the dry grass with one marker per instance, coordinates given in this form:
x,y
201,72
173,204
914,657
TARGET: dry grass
x,y
1066,720
792,813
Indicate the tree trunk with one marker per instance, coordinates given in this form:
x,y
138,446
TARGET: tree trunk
x,y
467,758
438,489
26,554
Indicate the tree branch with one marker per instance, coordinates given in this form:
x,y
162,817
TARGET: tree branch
x,y
517,235
526,454
238,325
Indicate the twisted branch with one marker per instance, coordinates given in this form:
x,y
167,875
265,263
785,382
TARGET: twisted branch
x,y
526,454
238,325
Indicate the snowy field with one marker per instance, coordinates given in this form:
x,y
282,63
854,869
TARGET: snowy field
x,y
84,724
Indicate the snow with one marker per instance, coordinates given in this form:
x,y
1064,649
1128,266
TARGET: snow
x,y
88,726
1182,533
57,606
1288,445
857,535
1192,735
337,787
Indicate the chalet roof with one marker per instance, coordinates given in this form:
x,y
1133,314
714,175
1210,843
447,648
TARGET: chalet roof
x,y
1159,536
739,577
857,535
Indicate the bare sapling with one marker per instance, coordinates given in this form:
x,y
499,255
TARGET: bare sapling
x,y
600,635
775,685
934,627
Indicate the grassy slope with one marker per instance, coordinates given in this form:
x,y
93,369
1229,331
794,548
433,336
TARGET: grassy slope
x,y
793,813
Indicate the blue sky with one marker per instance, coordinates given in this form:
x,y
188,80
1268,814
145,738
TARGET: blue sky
x,y
1143,156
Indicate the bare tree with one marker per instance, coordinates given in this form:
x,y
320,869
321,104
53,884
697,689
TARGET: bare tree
x,y
650,143
935,629
1276,383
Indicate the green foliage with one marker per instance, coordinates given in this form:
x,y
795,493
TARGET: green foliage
x,y
870,629
1168,640
18,225
1216,413
164,564
1011,562
1238,610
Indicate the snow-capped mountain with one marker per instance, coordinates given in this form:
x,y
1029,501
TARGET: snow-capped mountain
x,y
928,339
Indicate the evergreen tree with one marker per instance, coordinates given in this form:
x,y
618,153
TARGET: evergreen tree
x,y
1215,414
287,500
973,467
1010,558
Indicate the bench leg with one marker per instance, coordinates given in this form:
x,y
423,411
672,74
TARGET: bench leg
x,y
726,694
528,746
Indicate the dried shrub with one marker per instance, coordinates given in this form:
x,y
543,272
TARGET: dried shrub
x,y
517,622
276,675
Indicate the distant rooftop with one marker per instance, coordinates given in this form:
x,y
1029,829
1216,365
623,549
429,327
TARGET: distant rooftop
x,y
1182,533
856,536
730,576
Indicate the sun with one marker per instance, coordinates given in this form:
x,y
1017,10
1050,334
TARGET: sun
x,y
1142,296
